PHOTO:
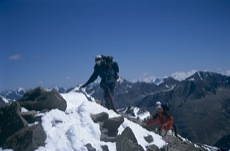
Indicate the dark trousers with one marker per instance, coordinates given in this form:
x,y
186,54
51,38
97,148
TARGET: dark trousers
x,y
108,93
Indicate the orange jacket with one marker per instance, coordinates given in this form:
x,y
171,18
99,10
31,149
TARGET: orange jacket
x,y
163,121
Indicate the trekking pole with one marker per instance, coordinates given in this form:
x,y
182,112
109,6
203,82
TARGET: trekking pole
x,y
175,130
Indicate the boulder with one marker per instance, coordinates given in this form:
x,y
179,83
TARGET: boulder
x,y
112,125
90,147
11,121
127,141
152,148
30,116
104,148
106,138
27,139
149,138
40,99
100,117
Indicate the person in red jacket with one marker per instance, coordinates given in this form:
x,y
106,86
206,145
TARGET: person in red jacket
x,y
163,118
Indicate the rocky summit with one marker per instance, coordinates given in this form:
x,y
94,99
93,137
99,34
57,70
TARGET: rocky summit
x,y
32,123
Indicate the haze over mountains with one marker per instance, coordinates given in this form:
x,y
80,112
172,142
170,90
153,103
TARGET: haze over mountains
x,y
200,103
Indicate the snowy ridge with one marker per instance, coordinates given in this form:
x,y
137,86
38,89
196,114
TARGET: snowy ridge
x,y
135,112
4,99
73,129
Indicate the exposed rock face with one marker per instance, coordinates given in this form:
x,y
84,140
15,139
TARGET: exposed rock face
x,y
127,141
109,126
177,144
112,125
15,132
27,139
100,117
11,121
40,99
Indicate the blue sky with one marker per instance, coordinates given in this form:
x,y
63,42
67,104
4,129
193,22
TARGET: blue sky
x,y
53,42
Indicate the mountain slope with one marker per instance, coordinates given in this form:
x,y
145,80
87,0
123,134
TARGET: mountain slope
x,y
200,106
83,125
74,128
79,129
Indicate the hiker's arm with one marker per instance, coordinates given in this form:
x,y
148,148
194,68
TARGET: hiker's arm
x,y
153,120
150,122
92,78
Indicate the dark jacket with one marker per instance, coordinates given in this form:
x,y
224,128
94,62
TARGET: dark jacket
x,y
108,73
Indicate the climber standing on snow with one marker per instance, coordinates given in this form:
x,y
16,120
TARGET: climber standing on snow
x,y
108,71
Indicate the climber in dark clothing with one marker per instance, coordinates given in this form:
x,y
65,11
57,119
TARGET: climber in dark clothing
x,y
108,71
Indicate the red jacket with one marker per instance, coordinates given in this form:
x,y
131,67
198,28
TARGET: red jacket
x,y
163,120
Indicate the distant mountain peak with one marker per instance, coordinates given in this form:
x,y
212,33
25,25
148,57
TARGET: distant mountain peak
x,y
180,76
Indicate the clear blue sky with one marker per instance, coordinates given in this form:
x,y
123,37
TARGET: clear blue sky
x,y
53,42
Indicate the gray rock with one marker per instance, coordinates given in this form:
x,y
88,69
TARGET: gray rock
x,y
29,116
90,147
105,148
112,124
11,121
27,139
152,148
127,141
40,99
149,138
106,138
177,144
100,117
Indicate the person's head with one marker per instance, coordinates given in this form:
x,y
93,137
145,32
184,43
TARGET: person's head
x,y
158,106
158,103
98,59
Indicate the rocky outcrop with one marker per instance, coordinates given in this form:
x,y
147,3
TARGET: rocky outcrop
x,y
108,126
11,121
15,131
27,139
178,144
40,99
109,130
112,125
127,141
23,131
